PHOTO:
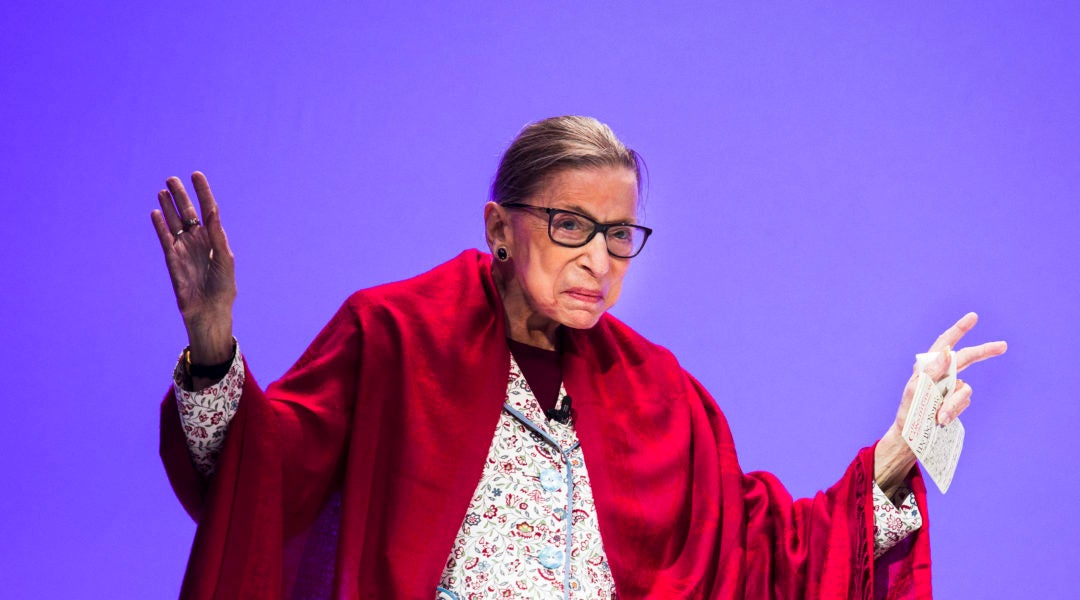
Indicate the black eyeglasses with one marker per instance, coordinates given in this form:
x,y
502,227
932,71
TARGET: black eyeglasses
x,y
574,230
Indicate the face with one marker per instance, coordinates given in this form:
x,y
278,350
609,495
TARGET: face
x,y
546,285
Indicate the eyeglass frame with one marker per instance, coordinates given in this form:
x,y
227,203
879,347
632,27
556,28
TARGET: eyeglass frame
x,y
597,227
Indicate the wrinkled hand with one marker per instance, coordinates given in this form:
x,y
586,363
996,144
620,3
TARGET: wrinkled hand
x,y
893,458
201,267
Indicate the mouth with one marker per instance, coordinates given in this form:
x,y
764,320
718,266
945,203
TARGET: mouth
x,y
585,295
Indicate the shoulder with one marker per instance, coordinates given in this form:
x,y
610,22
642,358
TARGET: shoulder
x,y
458,282
612,341
618,364
633,342
654,367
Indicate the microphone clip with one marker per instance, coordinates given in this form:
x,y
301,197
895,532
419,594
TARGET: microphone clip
x,y
562,413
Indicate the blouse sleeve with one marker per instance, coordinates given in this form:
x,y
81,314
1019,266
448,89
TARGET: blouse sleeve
x,y
205,414
289,440
894,521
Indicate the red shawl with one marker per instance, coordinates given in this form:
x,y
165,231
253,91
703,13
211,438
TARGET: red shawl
x,y
366,453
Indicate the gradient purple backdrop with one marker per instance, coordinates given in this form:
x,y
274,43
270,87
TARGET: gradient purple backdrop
x,y
831,187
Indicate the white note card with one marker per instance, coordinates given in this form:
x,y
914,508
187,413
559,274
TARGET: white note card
x,y
937,448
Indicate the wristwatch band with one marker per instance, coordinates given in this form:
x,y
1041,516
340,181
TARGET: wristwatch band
x,y
208,371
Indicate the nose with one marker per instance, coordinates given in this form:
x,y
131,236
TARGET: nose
x,y
595,257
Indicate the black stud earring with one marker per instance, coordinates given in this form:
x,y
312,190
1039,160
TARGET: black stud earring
x,y
502,254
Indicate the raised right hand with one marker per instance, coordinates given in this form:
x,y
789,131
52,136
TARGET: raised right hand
x,y
201,267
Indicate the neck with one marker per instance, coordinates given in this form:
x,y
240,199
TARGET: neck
x,y
523,323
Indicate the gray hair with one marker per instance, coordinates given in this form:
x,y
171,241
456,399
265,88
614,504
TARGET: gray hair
x,y
547,147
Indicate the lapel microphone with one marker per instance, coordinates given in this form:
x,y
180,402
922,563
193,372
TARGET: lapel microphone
x,y
561,414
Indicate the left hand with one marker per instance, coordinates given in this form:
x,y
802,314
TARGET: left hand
x,y
893,458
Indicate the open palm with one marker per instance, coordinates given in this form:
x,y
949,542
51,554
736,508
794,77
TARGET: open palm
x,y
200,262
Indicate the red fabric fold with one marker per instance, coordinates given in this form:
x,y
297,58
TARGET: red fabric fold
x,y
368,451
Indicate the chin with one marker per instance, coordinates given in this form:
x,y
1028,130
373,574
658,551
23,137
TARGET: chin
x,y
579,320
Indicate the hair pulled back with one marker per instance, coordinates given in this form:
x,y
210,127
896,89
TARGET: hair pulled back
x,y
547,147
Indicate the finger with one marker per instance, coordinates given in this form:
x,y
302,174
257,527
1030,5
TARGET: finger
x,y
180,197
955,404
939,367
969,356
953,334
165,235
172,218
211,217
207,204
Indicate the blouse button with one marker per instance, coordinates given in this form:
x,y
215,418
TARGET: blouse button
x,y
550,480
551,557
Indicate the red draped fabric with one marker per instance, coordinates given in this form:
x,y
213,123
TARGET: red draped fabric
x,y
350,476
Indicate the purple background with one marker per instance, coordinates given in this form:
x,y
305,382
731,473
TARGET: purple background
x,y
831,187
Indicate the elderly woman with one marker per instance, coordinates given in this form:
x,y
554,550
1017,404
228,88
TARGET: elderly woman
x,y
487,430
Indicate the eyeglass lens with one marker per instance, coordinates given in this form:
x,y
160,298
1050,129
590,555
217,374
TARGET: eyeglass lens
x,y
573,230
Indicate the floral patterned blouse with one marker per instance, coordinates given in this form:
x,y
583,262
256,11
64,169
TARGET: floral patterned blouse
x,y
531,528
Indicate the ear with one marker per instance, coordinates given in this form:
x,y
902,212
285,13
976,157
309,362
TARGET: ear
x,y
497,227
